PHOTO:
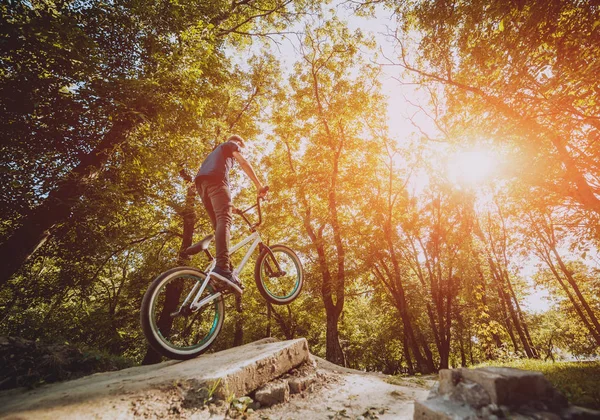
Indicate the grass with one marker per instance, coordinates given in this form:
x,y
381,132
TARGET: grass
x,y
578,381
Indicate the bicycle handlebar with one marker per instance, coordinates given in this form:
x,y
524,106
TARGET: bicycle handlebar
x,y
242,212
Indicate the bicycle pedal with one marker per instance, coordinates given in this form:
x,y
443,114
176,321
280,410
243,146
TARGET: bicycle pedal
x,y
223,289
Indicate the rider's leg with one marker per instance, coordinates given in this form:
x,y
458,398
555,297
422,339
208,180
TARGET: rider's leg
x,y
217,200
220,200
202,189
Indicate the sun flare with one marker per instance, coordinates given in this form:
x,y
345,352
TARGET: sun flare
x,y
471,167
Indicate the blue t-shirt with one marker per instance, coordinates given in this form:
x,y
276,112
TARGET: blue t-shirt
x,y
219,162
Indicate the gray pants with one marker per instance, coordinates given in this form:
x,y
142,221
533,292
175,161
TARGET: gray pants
x,y
216,198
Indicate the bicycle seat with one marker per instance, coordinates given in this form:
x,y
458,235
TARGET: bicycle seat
x,y
199,246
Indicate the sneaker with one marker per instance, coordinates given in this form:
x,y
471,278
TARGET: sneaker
x,y
228,278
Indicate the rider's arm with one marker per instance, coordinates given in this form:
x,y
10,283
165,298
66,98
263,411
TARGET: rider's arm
x,y
248,169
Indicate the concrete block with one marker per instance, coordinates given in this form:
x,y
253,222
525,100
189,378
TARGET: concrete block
x,y
497,386
509,386
442,409
471,393
274,359
579,413
297,385
448,380
275,392
524,385
497,392
546,415
236,371
434,391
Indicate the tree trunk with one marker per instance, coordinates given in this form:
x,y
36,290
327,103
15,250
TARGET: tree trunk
x,y
269,310
396,288
173,290
578,293
410,336
461,343
511,309
333,350
444,355
36,227
520,315
482,308
445,328
238,336
427,351
578,309
406,351
506,320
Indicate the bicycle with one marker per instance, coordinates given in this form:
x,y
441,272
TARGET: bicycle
x,y
183,329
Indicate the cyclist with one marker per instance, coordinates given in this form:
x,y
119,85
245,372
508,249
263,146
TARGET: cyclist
x,y
212,184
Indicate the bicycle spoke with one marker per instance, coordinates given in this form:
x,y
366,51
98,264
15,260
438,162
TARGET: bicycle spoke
x,y
279,275
187,329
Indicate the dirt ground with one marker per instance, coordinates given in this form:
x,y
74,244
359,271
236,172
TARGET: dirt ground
x,y
339,393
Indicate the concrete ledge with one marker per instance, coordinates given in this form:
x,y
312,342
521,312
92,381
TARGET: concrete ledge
x,y
144,390
440,409
268,362
496,392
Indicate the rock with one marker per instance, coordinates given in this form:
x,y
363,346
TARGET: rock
x,y
546,415
509,386
448,380
472,393
277,358
434,391
497,392
579,413
300,384
273,393
442,409
555,400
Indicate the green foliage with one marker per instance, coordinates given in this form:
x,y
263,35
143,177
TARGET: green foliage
x,y
34,363
380,260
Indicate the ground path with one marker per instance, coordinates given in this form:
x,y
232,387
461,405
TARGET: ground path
x,y
351,394
181,389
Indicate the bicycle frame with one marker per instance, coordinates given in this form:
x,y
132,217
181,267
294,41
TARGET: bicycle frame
x,y
196,304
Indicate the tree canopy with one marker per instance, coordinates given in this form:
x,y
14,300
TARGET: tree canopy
x,y
423,249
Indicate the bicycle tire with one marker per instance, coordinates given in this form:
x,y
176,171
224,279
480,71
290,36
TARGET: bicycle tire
x,y
164,343
277,289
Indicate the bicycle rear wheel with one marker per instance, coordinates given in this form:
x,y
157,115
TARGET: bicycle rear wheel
x,y
278,274
176,330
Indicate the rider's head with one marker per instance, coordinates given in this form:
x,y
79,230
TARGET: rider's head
x,y
237,139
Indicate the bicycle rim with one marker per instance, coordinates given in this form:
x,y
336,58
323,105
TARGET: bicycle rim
x,y
179,329
285,284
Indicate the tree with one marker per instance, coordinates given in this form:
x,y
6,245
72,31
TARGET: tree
x,y
327,154
90,77
528,69
389,264
546,242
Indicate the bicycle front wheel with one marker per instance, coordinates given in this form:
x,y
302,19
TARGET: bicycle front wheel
x,y
278,274
171,325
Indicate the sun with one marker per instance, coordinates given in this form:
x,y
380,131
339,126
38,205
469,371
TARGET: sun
x,y
468,168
